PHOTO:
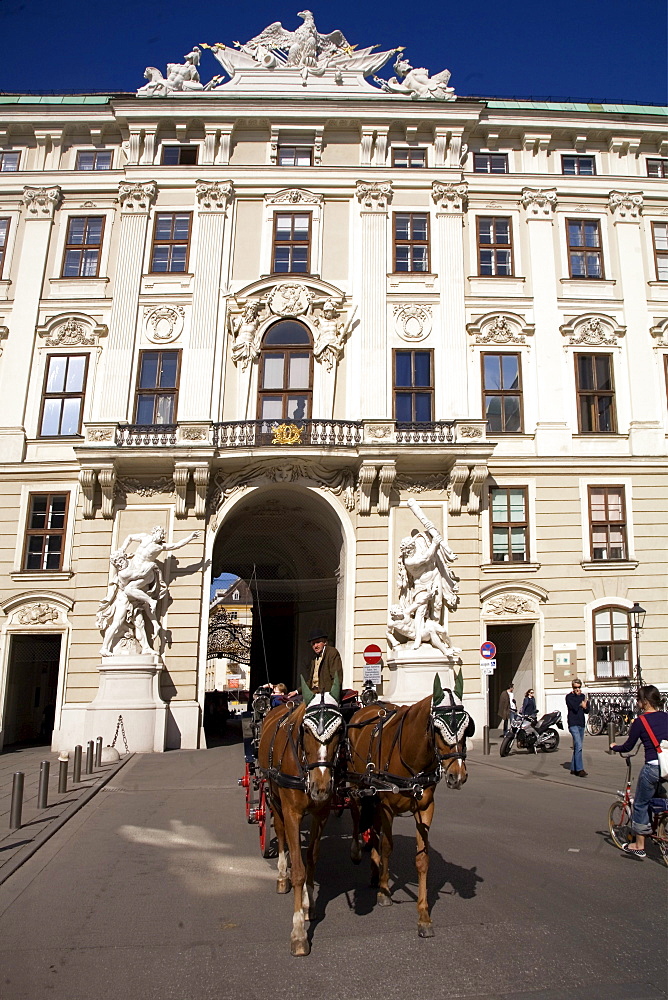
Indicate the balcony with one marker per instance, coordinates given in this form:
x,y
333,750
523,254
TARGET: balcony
x,y
307,433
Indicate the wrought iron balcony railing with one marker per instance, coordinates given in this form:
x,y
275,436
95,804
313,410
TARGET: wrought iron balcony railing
x,y
315,433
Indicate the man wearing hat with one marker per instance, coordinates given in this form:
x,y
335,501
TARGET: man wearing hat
x,y
325,665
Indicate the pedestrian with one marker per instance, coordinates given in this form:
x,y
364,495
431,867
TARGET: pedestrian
x,y
529,703
325,665
651,714
279,695
507,706
577,704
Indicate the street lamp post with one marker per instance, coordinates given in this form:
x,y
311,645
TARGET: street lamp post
x,y
638,621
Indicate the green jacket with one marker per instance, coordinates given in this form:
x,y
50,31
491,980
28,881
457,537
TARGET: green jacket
x,y
330,667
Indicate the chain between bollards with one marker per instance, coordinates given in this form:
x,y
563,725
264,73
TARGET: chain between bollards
x,y
63,761
76,769
17,801
89,757
43,789
485,740
98,752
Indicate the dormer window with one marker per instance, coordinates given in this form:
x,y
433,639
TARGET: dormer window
x,y
94,159
9,161
582,166
490,163
179,156
295,156
409,157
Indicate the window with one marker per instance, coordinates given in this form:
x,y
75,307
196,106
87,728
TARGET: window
x,y
286,372
490,163
413,386
409,157
45,532
292,242
660,237
657,168
295,156
411,242
607,522
502,393
612,643
4,233
9,161
585,257
179,156
157,387
495,251
94,159
596,394
509,524
171,241
63,396
83,246
584,166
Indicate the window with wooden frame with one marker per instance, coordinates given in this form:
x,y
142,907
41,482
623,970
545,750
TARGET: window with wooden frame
x,y
495,248
585,253
596,394
581,166
409,156
179,156
657,168
45,531
292,243
157,387
9,161
83,246
502,393
612,643
171,242
4,235
509,524
490,163
607,523
286,372
660,240
94,159
411,241
295,156
413,386
63,395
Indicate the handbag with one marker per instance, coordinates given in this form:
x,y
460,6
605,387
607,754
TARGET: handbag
x,y
661,748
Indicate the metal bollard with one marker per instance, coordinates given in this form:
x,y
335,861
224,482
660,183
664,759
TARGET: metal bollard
x,y
43,789
76,768
89,757
98,752
17,801
485,740
63,761
611,731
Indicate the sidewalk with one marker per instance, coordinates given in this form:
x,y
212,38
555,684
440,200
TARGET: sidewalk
x,y
16,846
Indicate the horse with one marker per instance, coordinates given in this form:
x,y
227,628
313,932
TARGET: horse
x,y
297,755
397,756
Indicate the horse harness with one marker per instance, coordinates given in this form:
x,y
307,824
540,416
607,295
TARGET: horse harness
x,y
324,721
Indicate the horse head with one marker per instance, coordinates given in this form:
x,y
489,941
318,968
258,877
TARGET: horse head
x,y
321,731
452,724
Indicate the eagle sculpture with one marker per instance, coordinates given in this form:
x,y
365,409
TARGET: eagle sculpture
x,y
303,46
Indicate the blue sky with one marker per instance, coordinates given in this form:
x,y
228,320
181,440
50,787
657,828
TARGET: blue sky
x,y
600,50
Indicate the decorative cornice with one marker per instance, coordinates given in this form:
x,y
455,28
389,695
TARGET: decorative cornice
x,y
214,196
539,203
42,202
450,198
294,196
374,196
137,198
625,206
659,332
593,331
4,333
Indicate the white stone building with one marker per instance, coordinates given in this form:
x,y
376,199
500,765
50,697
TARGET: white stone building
x,y
274,309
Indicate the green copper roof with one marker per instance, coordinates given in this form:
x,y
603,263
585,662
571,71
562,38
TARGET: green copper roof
x,y
624,109
43,99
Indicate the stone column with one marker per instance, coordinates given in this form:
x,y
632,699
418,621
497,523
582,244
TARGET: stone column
x,y
450,201
40,204
135,201
646,436
553,435
199,361
374,199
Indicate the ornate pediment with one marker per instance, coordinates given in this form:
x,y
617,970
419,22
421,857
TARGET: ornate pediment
x,y
660,332
294,196
593,330
500,329
340,482
512,602
72,330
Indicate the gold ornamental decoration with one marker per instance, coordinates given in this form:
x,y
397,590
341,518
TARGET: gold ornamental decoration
x,y
287,434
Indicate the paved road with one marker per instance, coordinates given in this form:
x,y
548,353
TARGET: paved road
x,y
155,890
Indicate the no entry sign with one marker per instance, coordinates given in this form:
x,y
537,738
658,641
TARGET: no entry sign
x,y
372,654
488,650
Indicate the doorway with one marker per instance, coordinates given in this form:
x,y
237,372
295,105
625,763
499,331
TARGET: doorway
x,y
32,686
514,665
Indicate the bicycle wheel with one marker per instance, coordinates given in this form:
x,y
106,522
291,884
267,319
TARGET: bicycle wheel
x,y
621,725
595,725
661,837
619,824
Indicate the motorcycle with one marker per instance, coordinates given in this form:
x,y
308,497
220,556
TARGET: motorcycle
x,y
532,735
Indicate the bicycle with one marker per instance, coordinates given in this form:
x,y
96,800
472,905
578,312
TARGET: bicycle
x,y
620,815
605,710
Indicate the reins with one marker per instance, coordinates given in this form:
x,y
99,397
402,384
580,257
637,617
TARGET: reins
x,y
275,772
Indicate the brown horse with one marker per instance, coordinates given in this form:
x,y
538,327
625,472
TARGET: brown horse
x,y
397,757
297,754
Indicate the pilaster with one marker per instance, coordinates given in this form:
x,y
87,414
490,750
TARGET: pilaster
x,y
374,199
451,203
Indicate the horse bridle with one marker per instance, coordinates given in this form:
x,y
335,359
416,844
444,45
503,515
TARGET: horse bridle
x,y
323,720
454,724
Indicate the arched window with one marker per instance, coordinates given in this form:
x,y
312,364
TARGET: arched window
x,y
612,643
286,372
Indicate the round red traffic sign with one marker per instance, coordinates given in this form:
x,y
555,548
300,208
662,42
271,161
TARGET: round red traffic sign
x,y
488,650
372,654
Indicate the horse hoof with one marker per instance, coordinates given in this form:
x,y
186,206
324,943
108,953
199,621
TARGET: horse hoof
x,y
299,948
384,899
283,885
425,930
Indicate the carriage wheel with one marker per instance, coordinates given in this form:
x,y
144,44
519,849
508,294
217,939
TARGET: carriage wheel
x,y
595,725
246,783
266,825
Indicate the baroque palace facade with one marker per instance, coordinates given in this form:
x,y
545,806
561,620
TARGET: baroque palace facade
x,y
275,309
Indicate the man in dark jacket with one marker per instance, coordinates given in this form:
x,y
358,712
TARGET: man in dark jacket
x,y
577,704
325,665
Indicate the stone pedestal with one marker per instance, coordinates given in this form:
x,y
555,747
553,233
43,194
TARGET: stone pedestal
x,y
129,686
412,672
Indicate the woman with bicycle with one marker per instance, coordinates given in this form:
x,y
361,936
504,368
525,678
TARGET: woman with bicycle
x,y
650,710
